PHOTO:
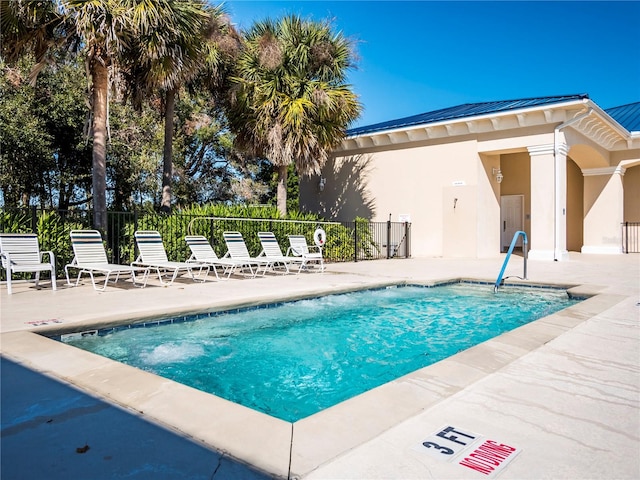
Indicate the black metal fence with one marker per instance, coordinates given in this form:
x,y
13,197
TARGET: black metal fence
x,y
346,241
631,237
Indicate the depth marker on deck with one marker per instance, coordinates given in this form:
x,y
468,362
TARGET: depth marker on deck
x,y
468,449
38,323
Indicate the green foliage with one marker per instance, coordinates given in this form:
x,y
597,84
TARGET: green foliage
x,y
209,220
291,104
18,221
61,101
44,156
54,234
288,103
134,157
24,140
206,168
213,229
367,247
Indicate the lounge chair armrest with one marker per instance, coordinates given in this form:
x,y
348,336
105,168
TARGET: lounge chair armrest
x,y
292,252
73,263
52,257
7,256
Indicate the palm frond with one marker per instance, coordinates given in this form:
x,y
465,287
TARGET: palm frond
x,y
290,101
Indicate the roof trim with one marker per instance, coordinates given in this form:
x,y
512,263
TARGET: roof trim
x,y
598,126
463,111
469,118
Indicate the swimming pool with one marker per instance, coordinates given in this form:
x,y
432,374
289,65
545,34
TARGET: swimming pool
x,y
296,358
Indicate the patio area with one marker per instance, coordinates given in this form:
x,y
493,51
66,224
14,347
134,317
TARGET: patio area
x,y
564,391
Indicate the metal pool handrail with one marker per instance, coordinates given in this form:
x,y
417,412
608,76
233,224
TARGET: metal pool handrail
x,y
506,260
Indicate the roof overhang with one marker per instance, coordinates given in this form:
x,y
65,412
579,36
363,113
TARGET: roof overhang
x,y
598,126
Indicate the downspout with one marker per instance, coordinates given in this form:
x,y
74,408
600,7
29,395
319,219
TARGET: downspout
x,y
556,180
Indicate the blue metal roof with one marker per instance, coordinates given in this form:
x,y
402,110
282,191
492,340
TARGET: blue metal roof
x,y
626,115
466,110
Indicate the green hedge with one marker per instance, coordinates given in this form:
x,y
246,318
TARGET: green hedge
x,y
53,230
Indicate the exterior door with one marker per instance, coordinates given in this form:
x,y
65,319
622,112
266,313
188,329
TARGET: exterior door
x,y
511,219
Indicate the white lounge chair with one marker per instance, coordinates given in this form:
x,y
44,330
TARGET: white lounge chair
x,y
271,250
20,252
298,248
90,257
237,250
153,255
203,253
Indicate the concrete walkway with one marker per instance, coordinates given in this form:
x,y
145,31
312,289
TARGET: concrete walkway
x,y
563,392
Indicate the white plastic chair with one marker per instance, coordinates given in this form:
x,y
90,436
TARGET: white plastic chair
x,y
271,250
20,252
153,255
90,257
298,248
203,253
237,250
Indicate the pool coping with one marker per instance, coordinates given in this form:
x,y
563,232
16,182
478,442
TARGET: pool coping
x,y
101,327
273,446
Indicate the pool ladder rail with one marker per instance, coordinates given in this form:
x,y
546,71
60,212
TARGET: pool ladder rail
x,y
500,279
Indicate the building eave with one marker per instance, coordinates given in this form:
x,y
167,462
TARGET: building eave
x,y
598,127
603,129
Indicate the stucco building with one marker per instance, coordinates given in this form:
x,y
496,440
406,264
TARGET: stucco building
x,y
562,169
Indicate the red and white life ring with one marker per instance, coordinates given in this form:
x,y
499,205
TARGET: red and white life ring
x,y
319,237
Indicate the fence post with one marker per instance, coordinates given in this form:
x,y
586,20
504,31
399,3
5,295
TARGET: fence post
x,y
625,237
114,225
407,237
355,241
389,237
34,219
135,229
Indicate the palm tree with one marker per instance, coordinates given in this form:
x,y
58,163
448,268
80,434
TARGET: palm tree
x,y
196,55
290,103
103,30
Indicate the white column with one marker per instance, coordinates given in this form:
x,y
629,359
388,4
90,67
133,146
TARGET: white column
x,y
561,252
548,202
603,210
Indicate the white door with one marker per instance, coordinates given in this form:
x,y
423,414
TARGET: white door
x,y
511,219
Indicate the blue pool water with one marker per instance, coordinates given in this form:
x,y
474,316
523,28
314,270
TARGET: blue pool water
x,y
298,358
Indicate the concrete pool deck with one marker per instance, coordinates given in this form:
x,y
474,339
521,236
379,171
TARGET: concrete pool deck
x,y
564,390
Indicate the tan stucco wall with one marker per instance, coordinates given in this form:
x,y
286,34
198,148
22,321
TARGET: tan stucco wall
x,y
632,194
488,211
421,182
459,220
584,151
347,194
603,213
442,177
516,168
575,214
630,160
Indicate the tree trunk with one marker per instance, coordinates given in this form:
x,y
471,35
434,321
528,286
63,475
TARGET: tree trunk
x,y
282,189
100,77
167,165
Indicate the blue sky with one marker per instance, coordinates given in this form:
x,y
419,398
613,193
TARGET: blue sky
x,y
419,56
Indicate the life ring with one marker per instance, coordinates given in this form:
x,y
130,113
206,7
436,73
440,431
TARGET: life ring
x,y
319,237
